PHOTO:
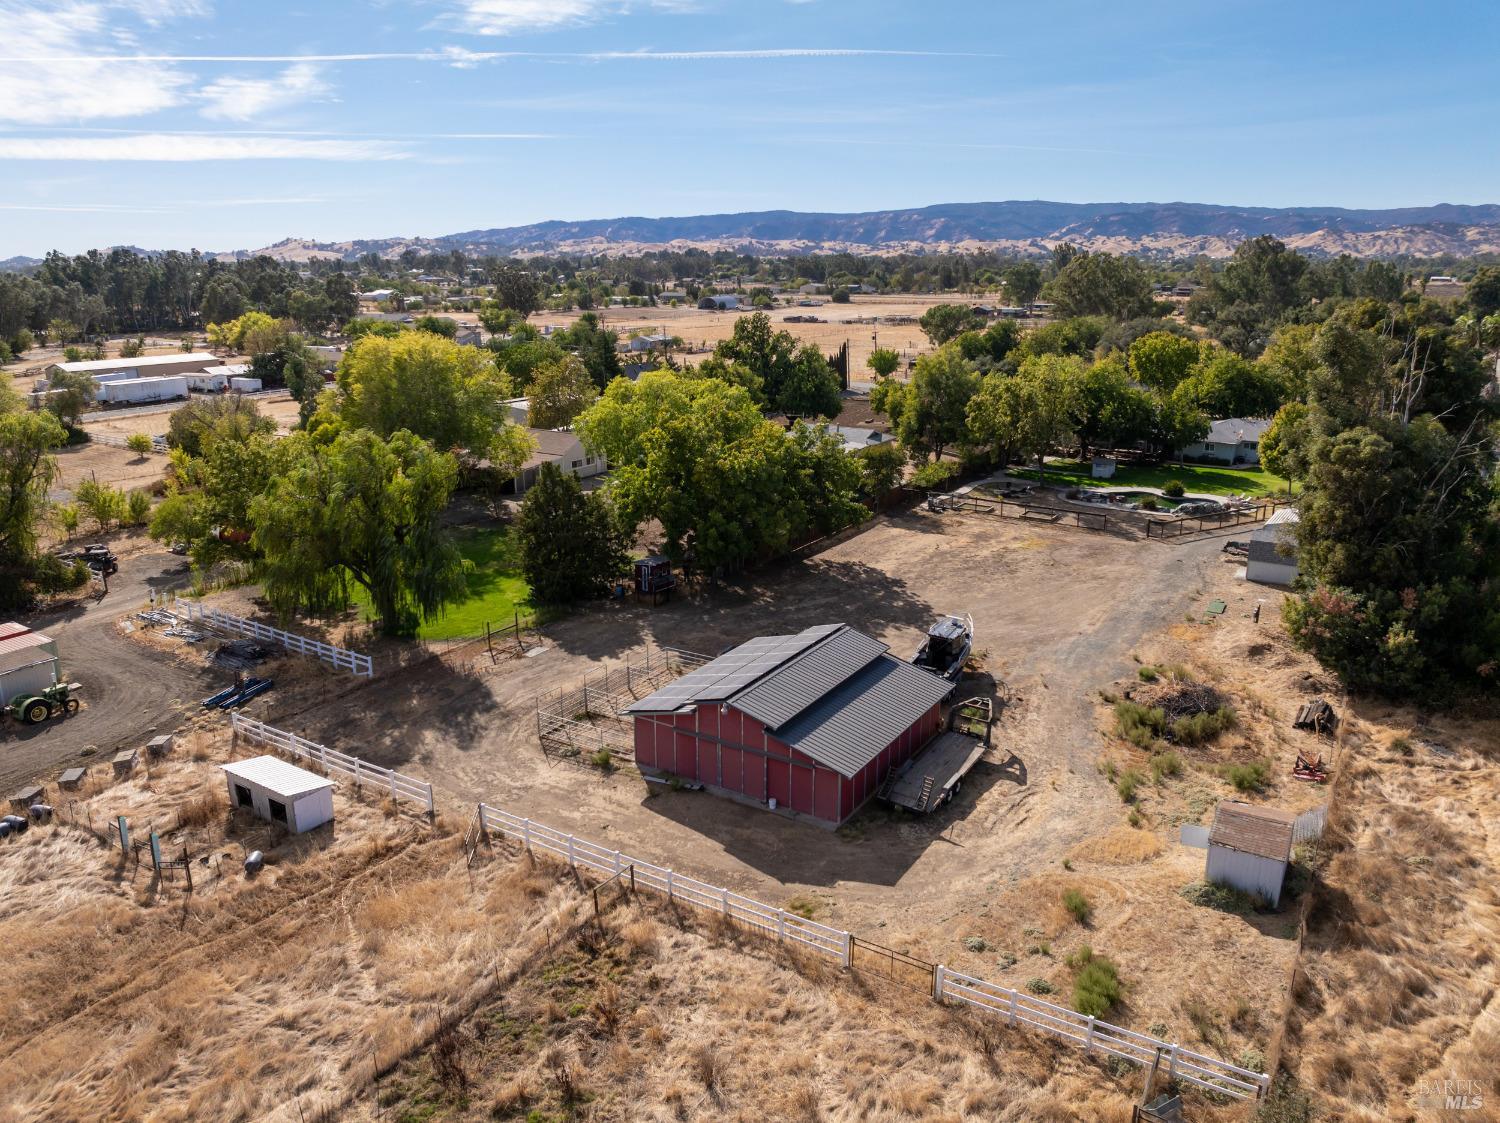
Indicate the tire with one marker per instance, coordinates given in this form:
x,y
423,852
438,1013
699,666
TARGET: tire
x,y
70,707
37,712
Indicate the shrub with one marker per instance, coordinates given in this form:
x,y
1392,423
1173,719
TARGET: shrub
x,y
132,348
139,443
934,475
1165,764
1173,488
1195,729
1246,777
1127,784
1224,898
1083,956
1076,903
1135,818
67,518
1138,724
1148,674
1097,987
1148,503
6,355
976,943
1039,986
603,759
137,507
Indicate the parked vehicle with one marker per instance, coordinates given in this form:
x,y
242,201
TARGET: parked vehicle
x,y
947,647
55,701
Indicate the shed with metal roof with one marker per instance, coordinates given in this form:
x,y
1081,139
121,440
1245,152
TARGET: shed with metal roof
x,y
1249,848
28,662
1272,555
810,723
280,792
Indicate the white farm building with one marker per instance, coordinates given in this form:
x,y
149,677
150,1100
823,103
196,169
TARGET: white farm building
x,y
1272,556
280,792
1249,849
146,366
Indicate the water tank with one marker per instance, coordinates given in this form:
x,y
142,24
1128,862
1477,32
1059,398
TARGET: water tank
x,y
254,861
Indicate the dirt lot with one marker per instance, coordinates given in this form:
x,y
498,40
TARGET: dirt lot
x,y
129,692
1060,615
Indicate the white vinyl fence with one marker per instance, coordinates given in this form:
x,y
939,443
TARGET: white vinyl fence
x,y
1016,1008
1208,1073
331,760
342,658
677,887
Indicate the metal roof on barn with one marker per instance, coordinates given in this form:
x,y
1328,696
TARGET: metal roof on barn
x,y
852,725
830,692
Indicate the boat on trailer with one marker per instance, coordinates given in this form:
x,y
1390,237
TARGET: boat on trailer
x,y
946,648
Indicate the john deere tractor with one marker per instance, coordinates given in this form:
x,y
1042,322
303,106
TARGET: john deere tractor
x,y
33,709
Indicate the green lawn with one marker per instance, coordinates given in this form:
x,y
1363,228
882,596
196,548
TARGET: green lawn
x,y
1194,477
496,588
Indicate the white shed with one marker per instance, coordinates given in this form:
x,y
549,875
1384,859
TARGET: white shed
x,y
1272,556
1249,848
28,662
280,792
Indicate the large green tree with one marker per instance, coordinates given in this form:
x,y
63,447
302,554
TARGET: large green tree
x,y
559,392
27,471
943,322
1027,414
365,509
1101,284
430,386
572,545
930,415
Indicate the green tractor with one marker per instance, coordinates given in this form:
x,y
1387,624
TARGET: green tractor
x,y
33,709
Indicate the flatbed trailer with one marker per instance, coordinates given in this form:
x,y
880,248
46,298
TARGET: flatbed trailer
x,y
935,775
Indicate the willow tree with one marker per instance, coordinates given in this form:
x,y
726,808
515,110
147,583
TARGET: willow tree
x,y
365,509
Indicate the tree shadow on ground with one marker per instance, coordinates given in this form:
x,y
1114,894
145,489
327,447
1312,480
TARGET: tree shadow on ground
x,y
382,720
783,599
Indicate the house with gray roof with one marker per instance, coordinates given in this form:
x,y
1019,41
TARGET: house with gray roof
x,y
1230,440
810,723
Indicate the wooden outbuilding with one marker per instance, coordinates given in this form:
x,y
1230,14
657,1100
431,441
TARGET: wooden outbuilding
x,y
1249,849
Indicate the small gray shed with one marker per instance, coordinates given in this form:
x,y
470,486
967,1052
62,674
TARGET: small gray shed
x,y
28,662
1272,557
280,792
1249,848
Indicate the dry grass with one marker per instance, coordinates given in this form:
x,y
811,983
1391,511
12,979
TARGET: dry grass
x,y
247,997
1400,948
1121,846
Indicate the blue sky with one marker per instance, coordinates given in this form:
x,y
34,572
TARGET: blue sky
x,y
180,123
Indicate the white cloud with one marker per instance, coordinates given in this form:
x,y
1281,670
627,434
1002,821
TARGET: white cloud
x,y
244,99
36,93
511,17
167,147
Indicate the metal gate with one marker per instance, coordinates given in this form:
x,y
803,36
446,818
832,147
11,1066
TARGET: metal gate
x,y
888,963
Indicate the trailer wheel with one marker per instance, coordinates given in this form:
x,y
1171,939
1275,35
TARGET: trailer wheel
x,y
71,706
37,712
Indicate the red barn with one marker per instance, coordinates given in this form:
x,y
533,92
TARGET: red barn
x,y
813,721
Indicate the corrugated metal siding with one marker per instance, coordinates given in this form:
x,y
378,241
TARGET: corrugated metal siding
x,y
27,680
787,691
1246,872
1277,572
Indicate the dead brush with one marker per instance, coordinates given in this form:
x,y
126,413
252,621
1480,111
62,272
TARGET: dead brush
x,y
641,936
564,1073
511,1098
201,811
448,1050
608,1009
707,1065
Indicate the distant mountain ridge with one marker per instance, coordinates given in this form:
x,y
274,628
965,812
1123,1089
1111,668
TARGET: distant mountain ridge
x,y
1027,227
1016,226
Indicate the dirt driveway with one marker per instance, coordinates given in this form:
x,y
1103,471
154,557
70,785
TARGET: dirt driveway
x,y
130,692
1057,613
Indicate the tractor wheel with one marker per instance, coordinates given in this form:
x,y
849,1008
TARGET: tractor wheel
x,y
37,712
70,707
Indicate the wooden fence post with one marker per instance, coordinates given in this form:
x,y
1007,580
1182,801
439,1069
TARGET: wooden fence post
x,y
1172,1064
526,833
1013,996
938,974
1088,1041
669,886
848,949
